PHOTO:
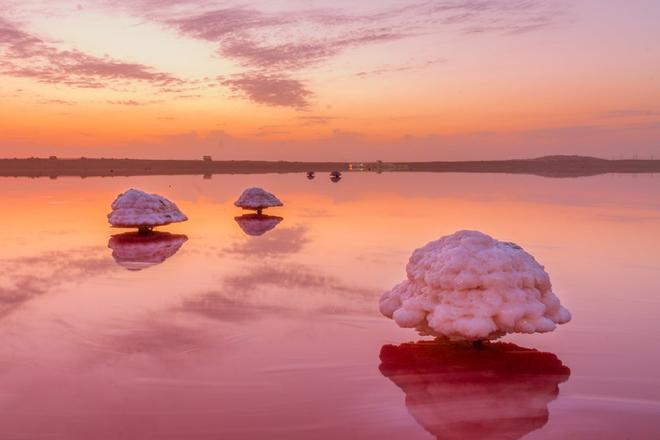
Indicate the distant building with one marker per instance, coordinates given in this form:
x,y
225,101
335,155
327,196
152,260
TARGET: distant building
x,y
356,167
52,157
207,158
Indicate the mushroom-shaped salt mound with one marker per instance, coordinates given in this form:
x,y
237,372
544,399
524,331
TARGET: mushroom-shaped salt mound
x,y
469,286
137,209
454,392
257,224
136,251
257,199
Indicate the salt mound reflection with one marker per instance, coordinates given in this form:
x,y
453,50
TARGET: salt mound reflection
x,y
139,251
257,224
455,391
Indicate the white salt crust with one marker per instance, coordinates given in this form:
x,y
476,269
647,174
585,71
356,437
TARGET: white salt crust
x,y
257,198
469,286
137,209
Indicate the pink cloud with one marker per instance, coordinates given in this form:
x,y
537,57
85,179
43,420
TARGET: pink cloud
x,y
277,43
269,88
273,40
404,68
217,24
274,46
128,102
27,56
291,56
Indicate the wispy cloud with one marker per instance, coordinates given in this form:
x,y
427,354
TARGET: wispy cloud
x,y
28,56
57,102
315,120
404,68
274,45
628,113
293,56
133,103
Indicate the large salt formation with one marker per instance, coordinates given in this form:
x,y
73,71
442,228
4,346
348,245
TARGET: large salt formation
x,y
136,251
137,209
469,286
257,199
457,393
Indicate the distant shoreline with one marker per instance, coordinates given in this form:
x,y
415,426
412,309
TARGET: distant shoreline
x,y
549,166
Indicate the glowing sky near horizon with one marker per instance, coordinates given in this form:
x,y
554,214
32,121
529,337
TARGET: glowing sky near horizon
x,y
319,80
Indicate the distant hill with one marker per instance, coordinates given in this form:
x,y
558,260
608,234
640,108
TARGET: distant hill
x,y
549,166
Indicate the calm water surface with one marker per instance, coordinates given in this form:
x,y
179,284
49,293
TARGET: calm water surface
x,y
212,333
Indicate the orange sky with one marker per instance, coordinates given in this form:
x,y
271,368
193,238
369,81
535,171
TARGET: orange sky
x,y
290,79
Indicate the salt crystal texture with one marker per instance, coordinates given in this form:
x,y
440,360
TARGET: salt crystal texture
x,y
137,209
469,286
257,199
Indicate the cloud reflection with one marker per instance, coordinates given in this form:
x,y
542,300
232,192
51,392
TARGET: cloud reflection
x,y
284,241
457,392
271,289
25,278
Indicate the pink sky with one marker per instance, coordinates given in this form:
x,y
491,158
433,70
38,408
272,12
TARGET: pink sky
x,y
318,80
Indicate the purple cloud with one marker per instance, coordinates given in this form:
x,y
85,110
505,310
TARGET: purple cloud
x,y
217,24
269,88
271,45
27,56
276,43
291,56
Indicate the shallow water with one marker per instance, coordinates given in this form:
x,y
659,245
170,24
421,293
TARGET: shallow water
x,y
212,333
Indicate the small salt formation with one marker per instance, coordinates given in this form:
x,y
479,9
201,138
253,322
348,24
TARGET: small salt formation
x,y
137,209
469,286
257,199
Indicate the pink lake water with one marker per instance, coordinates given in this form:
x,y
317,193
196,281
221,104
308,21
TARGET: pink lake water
x,y
210,333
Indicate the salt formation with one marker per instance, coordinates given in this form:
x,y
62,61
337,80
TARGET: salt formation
x,y
139,251
457,393
257,199
469,286
137,209
257,224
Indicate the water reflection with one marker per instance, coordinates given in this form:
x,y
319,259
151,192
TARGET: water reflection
x,y
279,288
136,251
27,277
257,224
501,391
284,241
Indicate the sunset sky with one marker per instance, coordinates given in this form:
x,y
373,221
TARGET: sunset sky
x,y
321,80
